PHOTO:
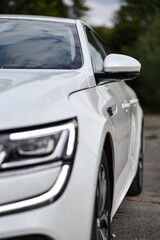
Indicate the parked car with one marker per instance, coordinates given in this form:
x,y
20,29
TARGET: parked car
x,y
71,130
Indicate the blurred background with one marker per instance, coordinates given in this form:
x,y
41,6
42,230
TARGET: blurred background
x,y
130,27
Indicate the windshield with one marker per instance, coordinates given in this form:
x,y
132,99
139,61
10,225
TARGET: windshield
x,y
31,44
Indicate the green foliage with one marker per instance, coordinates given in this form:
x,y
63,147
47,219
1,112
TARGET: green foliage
x,y
106,35
131,21
57,8
139,12
148,51
33,7
78,9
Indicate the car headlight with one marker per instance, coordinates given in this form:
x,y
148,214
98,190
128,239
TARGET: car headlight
x,y
25,148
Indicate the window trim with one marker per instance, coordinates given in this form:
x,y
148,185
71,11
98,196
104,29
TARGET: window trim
x,y
100,44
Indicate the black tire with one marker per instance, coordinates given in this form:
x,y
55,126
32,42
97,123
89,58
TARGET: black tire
x,y
137,184
101,229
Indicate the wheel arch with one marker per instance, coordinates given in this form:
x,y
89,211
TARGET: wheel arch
x,y
109,151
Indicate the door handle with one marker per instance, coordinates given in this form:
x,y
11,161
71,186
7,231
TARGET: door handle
x,y
134,101
126,106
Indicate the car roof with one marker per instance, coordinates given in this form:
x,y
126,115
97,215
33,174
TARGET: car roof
x,y
38,18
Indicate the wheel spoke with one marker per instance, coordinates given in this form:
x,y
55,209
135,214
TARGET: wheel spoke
x,y
101,234
140,172
101,191
102,223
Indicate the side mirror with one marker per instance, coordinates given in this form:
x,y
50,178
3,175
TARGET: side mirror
x,y
119,67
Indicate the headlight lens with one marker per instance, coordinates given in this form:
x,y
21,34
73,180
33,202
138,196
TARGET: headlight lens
x,y
39,146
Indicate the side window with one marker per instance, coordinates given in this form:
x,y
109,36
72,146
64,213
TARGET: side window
x,y
96,51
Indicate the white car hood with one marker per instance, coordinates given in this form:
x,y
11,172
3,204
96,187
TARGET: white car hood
x,y
33,97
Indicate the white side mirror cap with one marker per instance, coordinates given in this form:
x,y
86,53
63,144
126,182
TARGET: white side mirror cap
x,y
115,63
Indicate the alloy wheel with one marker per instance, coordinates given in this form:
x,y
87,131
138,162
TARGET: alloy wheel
x,y
102,206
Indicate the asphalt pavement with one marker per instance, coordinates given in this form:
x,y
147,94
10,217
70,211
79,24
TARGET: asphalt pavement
x,y
138,218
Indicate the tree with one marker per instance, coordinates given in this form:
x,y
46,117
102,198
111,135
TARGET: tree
x,y
148,51
33,7
106,35
57,8
132,20
78,8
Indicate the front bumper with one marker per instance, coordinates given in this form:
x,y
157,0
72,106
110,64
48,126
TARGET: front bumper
x,y
70,216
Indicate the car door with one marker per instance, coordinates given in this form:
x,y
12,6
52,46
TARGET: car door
x,y
117,108
132,101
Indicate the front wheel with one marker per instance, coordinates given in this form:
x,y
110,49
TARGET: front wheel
x,y
101,229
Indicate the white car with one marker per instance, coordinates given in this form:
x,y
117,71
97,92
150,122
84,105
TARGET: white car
x,y
71,130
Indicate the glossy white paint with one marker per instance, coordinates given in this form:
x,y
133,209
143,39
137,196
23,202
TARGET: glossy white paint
x,y
30,180
29,98
28,94
121,63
